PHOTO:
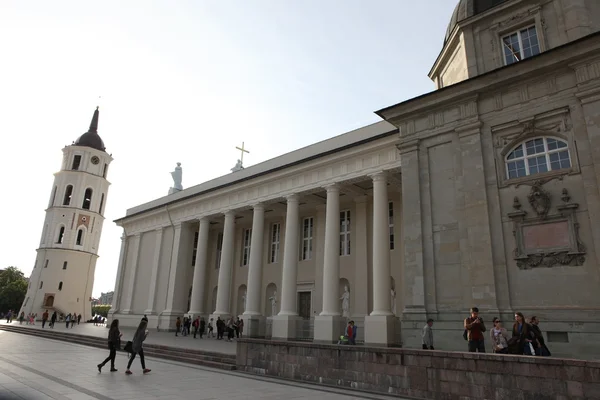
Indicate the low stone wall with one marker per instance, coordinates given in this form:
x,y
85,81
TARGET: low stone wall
x,y
422,374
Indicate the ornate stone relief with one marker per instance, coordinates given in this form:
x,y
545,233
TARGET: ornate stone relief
x,y
546,240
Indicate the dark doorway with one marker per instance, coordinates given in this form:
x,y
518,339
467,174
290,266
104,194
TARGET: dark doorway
x,y
304,304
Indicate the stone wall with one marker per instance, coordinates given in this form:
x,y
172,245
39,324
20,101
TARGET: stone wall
x,y
422,374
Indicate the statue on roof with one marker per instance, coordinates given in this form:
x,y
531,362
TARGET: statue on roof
x,y
238,166
177,176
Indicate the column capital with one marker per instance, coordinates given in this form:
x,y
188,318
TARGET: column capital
x,y
332,187
203,218
258,206
159,230
229,213
379,176
292,198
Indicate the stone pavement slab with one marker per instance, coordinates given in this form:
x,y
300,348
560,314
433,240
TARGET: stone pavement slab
x,y
35,368
155,337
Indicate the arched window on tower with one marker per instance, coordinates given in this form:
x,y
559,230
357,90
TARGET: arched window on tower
x,y
41,284
60,286
53,197
79,238
61,235
101,204
68,193
87,199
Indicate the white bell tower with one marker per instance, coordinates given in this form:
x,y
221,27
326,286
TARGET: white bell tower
x,y
63,275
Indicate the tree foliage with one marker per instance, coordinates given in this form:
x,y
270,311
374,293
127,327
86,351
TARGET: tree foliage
x,y
13,288
101,310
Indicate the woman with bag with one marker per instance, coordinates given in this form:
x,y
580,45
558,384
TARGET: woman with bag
x,y
522,337
499,337
136,346
114,343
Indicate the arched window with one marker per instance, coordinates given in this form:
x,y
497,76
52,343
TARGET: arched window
x,y
101,204
61,235
60,286
53,197
536,156
68,193
87,199
79,237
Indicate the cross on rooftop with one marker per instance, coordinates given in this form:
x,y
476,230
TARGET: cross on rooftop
x,y
243,151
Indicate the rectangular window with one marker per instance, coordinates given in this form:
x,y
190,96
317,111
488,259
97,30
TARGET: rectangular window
x,y
76,163
274,247
307,238
345,233
105,170
219,249
391,223
195,249
46,263
520,45
246,242
65,265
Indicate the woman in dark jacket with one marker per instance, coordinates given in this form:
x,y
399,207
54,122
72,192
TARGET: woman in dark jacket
x,y
136,346
114,343
522,336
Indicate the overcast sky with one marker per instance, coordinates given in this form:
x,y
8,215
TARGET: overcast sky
x,y
188,81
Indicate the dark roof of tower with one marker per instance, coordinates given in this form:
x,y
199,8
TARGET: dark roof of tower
x,y
468,8
91,137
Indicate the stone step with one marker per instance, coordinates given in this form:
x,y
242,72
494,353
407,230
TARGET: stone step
x,y
189,356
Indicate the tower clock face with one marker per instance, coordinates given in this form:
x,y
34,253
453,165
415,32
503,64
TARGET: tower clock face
x,y
95,160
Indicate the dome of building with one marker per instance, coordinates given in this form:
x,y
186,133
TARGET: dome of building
x,y
468,8
91,137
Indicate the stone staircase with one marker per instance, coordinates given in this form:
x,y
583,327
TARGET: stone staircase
x,y
189,356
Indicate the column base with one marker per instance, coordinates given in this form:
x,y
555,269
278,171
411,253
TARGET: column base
x,y
284,327
255,326
329,328
380,330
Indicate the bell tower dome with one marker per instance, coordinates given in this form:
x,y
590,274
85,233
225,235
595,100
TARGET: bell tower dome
x,y
63,275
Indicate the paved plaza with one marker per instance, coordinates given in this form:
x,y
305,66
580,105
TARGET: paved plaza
x,y
34,368
155,337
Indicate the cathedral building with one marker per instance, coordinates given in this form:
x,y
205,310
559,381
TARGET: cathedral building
x,y
484,192
63,275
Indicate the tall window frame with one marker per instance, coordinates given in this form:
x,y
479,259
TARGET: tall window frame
x,y
219,250
87,199
345,232
306,249
80,237
537,155
76,162
195,248
275,242
391,223
246,244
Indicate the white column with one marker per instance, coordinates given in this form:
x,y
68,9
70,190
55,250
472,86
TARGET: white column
x,y
329,324
116,303
154,273
226,266
200,269
284,324
253,319
170,310
380,324
331,261
290,258
132,273
381,247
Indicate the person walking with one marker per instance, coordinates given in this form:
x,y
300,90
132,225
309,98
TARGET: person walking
x,y
44,318
427,335
114,343
137,346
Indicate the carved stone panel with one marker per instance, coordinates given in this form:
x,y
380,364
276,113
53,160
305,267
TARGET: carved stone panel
x,y
546,240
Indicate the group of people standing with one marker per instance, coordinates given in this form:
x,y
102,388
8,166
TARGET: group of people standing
x,y
525,338
233,327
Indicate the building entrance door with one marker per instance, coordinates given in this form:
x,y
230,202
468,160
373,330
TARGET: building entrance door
x,y
304,304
